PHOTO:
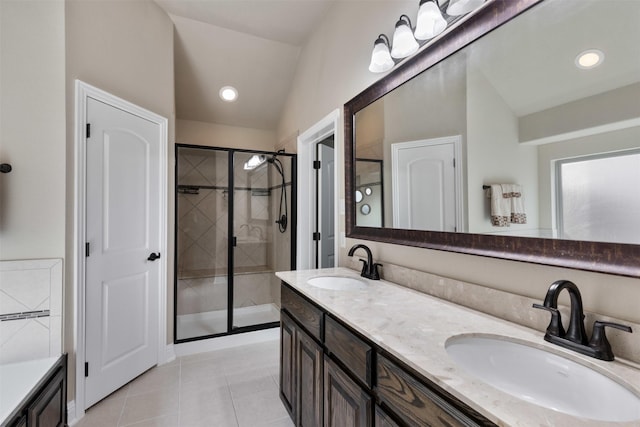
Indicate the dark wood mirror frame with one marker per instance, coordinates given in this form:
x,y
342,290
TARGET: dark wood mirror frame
x,y
611,258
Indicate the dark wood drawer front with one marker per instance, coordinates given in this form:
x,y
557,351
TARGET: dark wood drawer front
x,y
413,403
354,353
309,316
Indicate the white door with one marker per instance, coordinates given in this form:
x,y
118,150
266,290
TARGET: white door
x,y
123,206
424,185
326,201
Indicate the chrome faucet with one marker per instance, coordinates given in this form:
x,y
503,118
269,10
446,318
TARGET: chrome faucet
x,y
369,268
575,338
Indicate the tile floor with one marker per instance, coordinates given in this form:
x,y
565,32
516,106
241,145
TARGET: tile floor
x,y
235,387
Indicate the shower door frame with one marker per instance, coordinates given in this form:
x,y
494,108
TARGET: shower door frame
x,y
230,237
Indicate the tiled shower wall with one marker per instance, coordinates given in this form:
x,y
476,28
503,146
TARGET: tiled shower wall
x,y
202,232
30,309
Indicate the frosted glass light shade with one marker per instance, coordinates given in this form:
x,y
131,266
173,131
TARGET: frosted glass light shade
x,y
381,60
460,7
430,21
404,44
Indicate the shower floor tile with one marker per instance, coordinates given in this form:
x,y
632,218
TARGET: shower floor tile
x,y
234,387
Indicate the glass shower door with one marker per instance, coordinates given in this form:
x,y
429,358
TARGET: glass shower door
x,y
256,297
202,212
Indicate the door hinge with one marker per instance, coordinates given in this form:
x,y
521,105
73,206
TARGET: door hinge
x,y
454,163
235,241
87,249
88,133
316,236
86,369
316,164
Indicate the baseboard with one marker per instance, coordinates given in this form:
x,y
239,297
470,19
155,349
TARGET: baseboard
x,y
228,341
72,418
169,354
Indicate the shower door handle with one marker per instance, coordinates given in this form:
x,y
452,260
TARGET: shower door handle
x,y
154,256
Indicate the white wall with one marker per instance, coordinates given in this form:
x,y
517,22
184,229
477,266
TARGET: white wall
x,y
125,48
333,69
495,156
215,135
32,129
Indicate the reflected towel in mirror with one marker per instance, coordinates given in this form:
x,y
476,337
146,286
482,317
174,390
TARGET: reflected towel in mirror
x,y
507,205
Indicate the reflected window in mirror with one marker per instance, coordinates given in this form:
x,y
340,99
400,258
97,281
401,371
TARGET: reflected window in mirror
x,y
598,197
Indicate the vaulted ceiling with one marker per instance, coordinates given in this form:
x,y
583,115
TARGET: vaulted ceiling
x,y
252,45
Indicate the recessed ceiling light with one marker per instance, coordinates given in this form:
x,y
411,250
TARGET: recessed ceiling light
x,y
229,93
589,59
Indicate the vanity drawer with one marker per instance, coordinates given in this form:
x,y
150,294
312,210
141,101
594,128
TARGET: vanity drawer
x,y
412,401
303,311
355,354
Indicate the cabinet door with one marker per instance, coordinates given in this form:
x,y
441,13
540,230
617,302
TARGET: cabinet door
x,y
287,364
382,419
49,408
345,403
308,381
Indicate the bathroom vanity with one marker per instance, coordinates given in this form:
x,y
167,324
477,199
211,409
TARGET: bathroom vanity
x,y
358,352
35,393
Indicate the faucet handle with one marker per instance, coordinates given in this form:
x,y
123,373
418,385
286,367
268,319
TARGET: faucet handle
x,y
375,274
599,340
555,325
365,267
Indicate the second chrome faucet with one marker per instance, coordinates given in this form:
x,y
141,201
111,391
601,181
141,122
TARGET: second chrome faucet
x,y
575,338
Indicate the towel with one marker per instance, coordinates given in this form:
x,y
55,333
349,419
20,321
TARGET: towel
x,y
507,205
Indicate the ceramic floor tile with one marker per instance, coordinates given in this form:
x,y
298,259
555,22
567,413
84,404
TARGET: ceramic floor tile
x,y
235,387
154,404
156,378
251,381
259,409
163,421
106,413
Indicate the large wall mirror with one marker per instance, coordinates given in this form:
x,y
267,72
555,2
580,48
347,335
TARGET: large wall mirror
x,y
497,140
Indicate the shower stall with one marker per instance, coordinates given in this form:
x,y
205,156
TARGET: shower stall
x,y
235,226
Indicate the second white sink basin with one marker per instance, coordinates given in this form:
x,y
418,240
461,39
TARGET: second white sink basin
x,y
544,378
337,283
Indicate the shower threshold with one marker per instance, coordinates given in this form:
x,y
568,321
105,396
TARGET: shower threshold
x,y
215,322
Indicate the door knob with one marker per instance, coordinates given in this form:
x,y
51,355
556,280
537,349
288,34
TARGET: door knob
x,y
154,256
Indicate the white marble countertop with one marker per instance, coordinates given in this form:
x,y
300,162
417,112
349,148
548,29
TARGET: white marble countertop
x,y
414,327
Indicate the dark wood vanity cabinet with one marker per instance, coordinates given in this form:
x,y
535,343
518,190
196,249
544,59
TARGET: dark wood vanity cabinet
x,y
301,380
332,376
45,406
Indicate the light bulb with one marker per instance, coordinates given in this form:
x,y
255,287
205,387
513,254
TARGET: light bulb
x,y
430,21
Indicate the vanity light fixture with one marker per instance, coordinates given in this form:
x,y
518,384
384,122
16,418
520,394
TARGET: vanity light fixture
x,y
404,43
589,59
381,60
228,93
461,7
430,21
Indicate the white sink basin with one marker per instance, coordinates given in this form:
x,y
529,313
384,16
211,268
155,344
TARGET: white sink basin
x,y
337,283
544,378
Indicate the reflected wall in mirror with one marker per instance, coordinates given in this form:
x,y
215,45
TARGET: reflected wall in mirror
x,y
369,192
525,113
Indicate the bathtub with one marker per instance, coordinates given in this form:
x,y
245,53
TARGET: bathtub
x,y
17,380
